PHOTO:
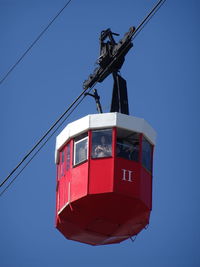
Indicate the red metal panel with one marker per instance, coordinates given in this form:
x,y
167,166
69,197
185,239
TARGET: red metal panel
x,y
79,181
63,178
103,200
127,177
101,175
57,189
103,218
61,199
61,193
146,187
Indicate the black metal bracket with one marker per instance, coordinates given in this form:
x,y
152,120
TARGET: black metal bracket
x,y
119,101
111,59
112,56
97,100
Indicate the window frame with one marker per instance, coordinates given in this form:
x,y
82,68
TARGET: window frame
x,y
68,157
61,164
75,149
93,143
129,141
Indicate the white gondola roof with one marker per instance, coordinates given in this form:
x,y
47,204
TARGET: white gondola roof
x,y
101,121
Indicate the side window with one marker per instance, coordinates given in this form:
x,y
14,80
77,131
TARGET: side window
x,y
68,157
80,149
102,143
127,145
61,164
146,154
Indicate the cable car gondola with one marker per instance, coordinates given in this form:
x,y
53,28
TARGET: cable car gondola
x,y
105,162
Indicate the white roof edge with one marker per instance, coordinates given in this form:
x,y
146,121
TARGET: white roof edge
x,y
104,120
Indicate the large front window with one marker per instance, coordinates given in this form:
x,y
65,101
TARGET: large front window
x,y
80,149
102,143
127,145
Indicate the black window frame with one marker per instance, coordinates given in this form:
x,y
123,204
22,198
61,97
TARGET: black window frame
x,y
147,154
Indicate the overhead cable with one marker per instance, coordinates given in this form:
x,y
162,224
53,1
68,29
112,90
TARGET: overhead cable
x,y
74,104
38,150
148,17
33,43
42,138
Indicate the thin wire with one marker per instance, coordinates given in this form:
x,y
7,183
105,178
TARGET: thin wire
x,y
148,17
35,154
47,133
33,43
75,101
41,139
134,34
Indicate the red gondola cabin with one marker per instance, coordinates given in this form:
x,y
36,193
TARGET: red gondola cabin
x,y
104,178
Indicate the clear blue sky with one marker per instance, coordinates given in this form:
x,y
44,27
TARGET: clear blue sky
x,y
162,72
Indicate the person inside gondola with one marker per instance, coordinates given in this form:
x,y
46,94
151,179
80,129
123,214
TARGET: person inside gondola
x,y
82,153
120,148
127,150
103,149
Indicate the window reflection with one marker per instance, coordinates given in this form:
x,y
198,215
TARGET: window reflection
x,y
102,143
61,164
68,157
127,145
146,154
80,149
